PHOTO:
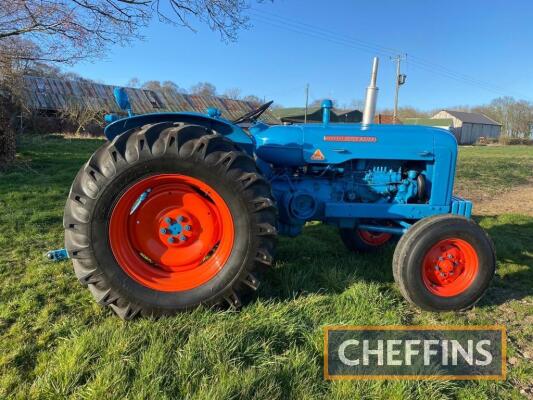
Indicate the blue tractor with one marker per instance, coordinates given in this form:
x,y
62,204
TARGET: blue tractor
x,y
181,209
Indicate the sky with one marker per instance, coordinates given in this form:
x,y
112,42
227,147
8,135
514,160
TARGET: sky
x,y
458,52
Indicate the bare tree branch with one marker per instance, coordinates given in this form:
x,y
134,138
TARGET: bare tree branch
x,y
70,30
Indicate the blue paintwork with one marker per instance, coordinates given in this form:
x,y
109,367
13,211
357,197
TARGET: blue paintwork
x,y
343,174
122,100
461,207
224,127
139,200
57,255
213,112
327,105
379,154
383,229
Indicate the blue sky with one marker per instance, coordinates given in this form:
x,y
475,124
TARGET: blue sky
x,y
458,52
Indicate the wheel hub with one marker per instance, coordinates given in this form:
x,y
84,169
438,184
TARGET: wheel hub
x,y
449,267
175,230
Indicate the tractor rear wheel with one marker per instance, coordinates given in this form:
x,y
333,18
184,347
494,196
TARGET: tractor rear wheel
x,y
167,217
444,263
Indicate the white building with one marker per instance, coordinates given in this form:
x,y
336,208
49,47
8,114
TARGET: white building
x,y
469,127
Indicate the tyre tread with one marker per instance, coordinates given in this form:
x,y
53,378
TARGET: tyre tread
x,y
181,141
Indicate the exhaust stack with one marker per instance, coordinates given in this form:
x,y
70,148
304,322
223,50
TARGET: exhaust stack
x,y
371,95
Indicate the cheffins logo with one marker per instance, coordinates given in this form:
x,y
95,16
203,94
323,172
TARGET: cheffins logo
x,y
415,352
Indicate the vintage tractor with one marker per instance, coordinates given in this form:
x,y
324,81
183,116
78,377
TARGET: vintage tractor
x,y
181,209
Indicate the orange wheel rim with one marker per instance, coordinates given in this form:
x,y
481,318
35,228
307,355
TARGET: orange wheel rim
x,y
171,232
450,267
374,239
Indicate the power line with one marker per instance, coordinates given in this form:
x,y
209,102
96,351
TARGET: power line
x,y
344,40
285,24
318,34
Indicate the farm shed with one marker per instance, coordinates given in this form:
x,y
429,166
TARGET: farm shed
x,y
469,127
50,95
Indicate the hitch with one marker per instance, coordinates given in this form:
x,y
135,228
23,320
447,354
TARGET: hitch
x,y
57,255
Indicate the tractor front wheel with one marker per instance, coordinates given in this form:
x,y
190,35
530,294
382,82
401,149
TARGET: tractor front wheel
x,y
167,217
444,263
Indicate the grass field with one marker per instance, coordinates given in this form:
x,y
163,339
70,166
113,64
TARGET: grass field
x,y
55,342
486,171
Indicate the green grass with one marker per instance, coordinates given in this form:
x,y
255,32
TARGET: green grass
x,y
55,342
493,169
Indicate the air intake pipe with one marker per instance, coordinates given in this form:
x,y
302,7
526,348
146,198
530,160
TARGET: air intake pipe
x,y
371,95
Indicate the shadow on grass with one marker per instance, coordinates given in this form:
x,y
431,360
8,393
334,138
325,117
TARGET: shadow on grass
x,y
318,262
514,270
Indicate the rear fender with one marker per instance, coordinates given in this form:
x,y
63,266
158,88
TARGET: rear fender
x,y
224,127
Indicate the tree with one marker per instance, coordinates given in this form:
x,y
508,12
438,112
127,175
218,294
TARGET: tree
x,y
33,32
516,116
170,86
204,89
152,85
356,104
67,31
253,99
408,112
81,115
8,115
133,83
232,93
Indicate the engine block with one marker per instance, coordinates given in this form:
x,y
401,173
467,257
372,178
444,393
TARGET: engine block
x,y
302,193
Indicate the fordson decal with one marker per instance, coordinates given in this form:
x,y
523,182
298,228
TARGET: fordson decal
x,y
357,139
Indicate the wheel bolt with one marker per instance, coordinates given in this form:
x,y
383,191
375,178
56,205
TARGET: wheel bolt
x,y
163,231
436,267
450,256
168,220
183,238
180,218
170,240
441,259
187,227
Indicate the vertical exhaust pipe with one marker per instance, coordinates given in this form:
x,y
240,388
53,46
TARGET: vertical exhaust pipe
x,y
371,95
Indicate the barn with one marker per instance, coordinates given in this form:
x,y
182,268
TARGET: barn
x,y
49,96
469,127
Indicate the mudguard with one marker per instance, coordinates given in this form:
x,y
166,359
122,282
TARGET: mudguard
x,y
222,126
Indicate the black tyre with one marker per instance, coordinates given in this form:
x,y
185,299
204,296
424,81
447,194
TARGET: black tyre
x,y
167,217
444,263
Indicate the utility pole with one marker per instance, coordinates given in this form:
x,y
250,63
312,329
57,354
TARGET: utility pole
x,y
306,102
400,80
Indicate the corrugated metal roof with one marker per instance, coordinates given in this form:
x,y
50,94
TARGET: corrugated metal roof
x,y
54,94
472,118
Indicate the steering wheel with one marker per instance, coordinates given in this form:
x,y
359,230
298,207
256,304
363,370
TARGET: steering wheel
x,y
254,114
